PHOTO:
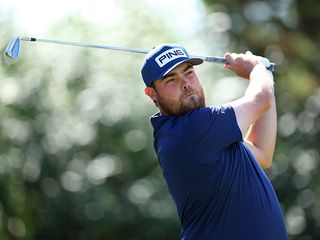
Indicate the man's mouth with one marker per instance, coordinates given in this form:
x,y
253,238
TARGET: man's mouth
x,y
189,95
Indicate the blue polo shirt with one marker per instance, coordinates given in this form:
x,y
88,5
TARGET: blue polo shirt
x,y
220,191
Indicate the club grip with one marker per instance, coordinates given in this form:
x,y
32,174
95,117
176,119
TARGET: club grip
x,y
271,66
216,59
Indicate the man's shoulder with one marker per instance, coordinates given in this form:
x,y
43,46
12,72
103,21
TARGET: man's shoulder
x,y
202,115
195,120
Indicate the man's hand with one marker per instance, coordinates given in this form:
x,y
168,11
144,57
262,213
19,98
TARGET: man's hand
x,y
241,64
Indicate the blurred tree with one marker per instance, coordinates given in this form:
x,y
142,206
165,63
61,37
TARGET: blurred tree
x,y
76,153
287,33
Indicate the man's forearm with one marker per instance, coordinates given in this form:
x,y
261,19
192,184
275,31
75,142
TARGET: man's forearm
x,y
261,81
257,100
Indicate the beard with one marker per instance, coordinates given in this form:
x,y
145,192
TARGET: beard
x,y
188,101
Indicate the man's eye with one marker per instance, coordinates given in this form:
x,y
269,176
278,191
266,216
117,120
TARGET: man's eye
x,y
169,80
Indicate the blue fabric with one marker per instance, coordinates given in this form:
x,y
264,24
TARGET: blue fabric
x,y
219,189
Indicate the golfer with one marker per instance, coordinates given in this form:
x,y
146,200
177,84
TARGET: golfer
x,y
214,173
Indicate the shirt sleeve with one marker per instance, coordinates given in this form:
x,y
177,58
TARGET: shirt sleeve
x,y
213,128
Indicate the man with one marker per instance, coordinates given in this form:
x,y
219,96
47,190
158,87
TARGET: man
x,y
215,175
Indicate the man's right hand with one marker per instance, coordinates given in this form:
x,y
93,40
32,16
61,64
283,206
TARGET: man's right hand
x,y
241,64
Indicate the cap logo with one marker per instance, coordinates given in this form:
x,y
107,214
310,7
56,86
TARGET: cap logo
x,y
169,56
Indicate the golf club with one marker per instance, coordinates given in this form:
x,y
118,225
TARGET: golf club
x,y
13,49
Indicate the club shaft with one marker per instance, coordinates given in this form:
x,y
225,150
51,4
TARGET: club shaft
x,y
125,49
112,47
89,45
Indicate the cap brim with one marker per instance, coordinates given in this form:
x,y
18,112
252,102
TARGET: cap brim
x,y
193,61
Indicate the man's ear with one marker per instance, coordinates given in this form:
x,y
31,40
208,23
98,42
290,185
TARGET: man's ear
x,y
149,91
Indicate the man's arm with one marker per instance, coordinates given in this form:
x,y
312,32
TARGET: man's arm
x,y
256,110
261,137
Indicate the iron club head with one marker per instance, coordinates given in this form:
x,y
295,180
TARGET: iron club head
x,y
13,48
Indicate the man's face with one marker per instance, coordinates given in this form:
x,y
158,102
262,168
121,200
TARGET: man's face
x,y
179,92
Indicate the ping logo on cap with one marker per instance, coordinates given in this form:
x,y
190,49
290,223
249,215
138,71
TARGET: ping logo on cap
x,y
169,56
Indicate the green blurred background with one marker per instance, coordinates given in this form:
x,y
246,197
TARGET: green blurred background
x,y
76,150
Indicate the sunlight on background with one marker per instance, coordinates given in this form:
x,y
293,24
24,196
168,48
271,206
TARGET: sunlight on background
x,y
35,16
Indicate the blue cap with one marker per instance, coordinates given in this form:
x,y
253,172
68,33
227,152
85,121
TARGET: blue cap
x,y
162,59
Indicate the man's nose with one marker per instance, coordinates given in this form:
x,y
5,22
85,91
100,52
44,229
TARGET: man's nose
x,y
185,84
